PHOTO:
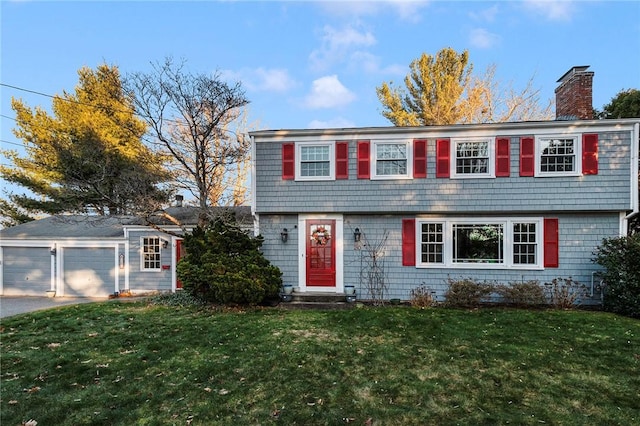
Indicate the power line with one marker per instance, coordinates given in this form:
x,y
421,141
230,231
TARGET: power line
x,y
35,92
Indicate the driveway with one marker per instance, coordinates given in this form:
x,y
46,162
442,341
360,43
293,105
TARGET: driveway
x,y
14,305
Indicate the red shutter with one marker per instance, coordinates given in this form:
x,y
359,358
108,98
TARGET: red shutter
x,y
527,156
551,244
420,158
288,161
363,160
408,242
442,158
503,159
590,154
342,160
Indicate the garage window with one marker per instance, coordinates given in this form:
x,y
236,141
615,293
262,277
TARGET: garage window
x,y
150,260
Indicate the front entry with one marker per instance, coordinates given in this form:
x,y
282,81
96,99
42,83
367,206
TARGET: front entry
x,y
320,253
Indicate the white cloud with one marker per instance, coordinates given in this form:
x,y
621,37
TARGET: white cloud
x,y
483,39
553,10
262,79
406,10
486,15
337,44
328,92
335,123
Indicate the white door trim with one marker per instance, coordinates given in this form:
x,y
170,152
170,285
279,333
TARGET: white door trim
x,y
302,252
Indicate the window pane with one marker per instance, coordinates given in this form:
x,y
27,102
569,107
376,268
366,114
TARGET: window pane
x,y
524,243
472,157
391,159
432,243
558,155
151,253
314,161
478,243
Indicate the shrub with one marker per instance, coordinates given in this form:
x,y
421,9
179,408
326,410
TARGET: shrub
x,y
528,293
224,265
421,297
564,293
621,259
466,293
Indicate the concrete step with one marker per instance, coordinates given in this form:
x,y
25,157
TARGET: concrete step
x,y
315,301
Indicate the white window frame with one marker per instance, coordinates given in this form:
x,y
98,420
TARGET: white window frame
x,y
332,160
374,159
143,253
491,166
577,152
508,242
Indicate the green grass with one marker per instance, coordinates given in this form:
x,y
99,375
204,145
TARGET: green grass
x,y
135,364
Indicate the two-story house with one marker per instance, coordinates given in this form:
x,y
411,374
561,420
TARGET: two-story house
x,y
505,202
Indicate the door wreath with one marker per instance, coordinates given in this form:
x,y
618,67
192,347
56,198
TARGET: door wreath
x,y
321,236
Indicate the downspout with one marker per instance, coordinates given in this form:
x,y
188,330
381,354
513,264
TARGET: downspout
x,y
635,149
256,221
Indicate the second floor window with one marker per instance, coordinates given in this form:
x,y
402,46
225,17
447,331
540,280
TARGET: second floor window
x,y
314,161
558,156
391,160
473,158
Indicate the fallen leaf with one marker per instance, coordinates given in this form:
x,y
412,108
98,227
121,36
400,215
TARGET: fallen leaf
x,y
53,345
13,402
33,389
30,422
207,389
223,392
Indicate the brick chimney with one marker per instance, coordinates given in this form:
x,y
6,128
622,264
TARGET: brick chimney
x,y
574,95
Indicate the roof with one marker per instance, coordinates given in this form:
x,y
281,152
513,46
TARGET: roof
x,y
100,227
520,126
70,226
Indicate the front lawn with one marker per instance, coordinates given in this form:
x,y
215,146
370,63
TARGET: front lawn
x,y
134,364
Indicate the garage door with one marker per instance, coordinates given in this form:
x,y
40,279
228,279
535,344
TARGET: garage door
x,y
26,271
89,271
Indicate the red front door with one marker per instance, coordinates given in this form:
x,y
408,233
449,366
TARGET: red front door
x,y
321,253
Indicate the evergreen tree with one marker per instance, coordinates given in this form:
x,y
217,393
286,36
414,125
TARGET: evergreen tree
x,y
87,156
626,104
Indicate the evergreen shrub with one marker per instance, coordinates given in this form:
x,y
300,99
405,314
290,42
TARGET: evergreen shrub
x,y
224,264
621,259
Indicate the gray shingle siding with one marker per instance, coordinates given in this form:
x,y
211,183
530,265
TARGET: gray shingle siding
x,y
580,235
588,207
609,190
140,280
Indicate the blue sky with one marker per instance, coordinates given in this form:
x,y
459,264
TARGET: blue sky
x,y
310,64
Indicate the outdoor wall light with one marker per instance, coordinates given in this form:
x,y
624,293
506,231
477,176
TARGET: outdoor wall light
x,y
284,235
356,235
165,244
53,251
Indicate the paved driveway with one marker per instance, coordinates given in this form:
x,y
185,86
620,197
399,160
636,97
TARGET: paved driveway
x,y
13,305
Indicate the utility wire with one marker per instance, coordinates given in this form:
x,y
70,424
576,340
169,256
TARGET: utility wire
x,y
35,92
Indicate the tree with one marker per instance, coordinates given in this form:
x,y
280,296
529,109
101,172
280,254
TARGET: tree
x,y
190,116
442,90
626,104
86,157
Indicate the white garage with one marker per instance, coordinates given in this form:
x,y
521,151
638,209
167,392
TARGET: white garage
x,y
88,271
27,271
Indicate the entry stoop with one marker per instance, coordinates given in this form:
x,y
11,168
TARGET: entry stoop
x,y
317,301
